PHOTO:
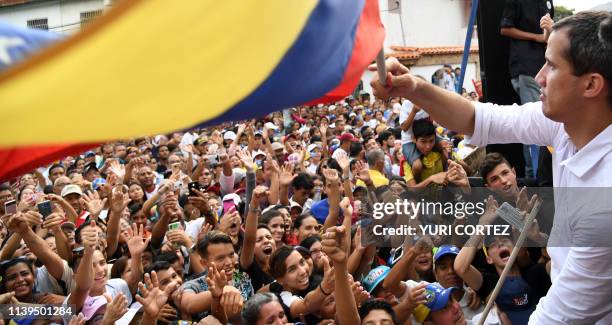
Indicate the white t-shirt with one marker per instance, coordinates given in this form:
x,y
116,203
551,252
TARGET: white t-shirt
x,y
404,112
45,282
338,152
289,298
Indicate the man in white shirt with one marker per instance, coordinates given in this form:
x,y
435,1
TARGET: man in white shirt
x,y
575,117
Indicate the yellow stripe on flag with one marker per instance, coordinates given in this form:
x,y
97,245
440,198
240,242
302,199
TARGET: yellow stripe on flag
x,y
167,65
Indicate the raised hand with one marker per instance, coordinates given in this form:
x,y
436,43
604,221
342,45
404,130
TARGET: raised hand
x,y
490,213
523,203
229,221
343,161
456,174
117,168
151,297
53,221
399,81
287,175
259,193
22,221
363,173
546,23
231,301
167,314
336,241
246,159
216,281
347,207
417,296
331,175
180,237
328,281
118,201
136,241
89,236
92,203
115,308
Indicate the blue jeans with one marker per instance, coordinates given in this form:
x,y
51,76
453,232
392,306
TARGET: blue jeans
x,y
529,91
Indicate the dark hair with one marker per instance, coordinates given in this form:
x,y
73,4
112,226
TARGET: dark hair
x,y
252,307
590,38
119,267
423,128
10,263
56,166
5,187
308,242
333,163
134,208
267,216
211,238
300,219
356,148
375,304
277,265
170,257
489,163
303,181
158,266
263,226
383,136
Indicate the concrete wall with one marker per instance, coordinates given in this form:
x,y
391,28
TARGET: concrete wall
x,y
425,22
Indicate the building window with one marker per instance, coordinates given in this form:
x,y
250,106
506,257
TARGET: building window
x,y
41,23
88,16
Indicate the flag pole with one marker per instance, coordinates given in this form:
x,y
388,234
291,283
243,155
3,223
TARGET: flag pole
x,y
380,65
517,247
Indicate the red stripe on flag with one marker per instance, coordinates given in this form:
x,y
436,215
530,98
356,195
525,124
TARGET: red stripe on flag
x,y
18,161
368,42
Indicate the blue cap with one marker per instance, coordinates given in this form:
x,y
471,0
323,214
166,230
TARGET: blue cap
x,y
375,277
320,210
97,183
90,154
445,250
437,297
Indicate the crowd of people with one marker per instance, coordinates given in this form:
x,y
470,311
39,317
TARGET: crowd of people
x,y
233,222
259,222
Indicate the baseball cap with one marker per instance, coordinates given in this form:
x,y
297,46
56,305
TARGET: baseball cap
x,y
270,125
92,304
229,135
375,277
437,297
258,153
290,135
90,154
97,183
277,146
347,137
71,189
445,250
239,175
312,147
200,140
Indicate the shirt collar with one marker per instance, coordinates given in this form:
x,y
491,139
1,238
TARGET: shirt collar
x,y
584,160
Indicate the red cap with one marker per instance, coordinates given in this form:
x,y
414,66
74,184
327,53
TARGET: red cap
x,y
347,137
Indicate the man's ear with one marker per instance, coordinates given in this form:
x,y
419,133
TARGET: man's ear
x,y
513,171
595,85
489,260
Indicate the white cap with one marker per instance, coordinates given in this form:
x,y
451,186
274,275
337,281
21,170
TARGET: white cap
x,y
71,189
352,114
320,105
258,153
312,147
229,135
234,197
270,125
332,107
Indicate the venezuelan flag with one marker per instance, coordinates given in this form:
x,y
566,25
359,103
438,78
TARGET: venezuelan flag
x,y
152,67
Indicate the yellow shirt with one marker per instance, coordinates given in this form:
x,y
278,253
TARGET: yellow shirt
x,y
432,164
377,178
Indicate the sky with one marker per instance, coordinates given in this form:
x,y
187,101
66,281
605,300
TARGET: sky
x,y
580,4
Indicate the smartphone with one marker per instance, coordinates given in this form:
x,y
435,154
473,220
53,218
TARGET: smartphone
x,y
45,208
10,207
194,186
174,226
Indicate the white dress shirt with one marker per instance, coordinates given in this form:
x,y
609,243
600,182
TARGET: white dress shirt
x,y
581,291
